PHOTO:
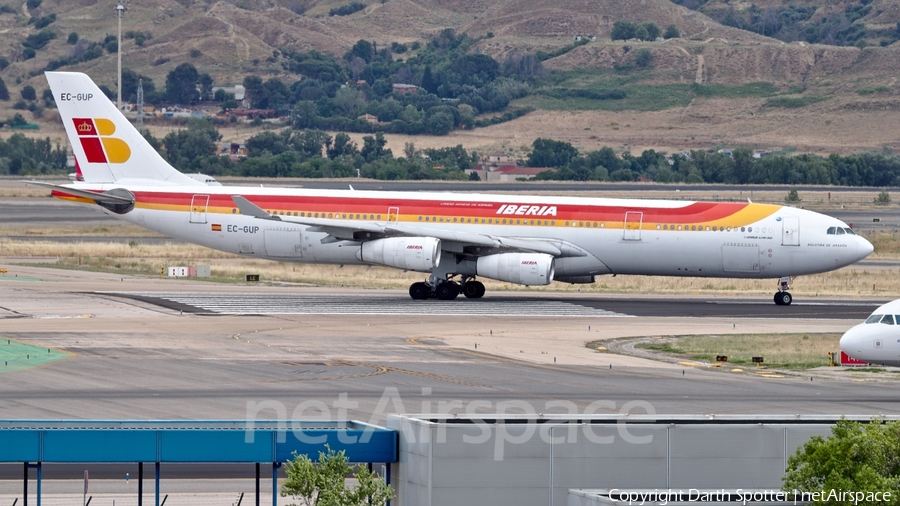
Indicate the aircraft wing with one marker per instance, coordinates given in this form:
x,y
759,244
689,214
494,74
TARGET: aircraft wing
x,y
456,241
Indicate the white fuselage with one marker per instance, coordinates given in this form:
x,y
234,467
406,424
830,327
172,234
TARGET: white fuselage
x,y
618,236
876,341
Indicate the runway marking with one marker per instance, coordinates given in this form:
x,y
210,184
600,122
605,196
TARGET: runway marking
x,y
287,303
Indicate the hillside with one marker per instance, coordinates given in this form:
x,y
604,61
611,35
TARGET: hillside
x,y
811,85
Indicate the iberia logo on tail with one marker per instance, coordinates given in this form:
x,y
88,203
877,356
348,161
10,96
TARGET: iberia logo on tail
x,y
96,138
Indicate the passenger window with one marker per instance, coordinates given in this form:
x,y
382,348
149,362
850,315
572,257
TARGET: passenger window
x,y
831,230
875,318
888,319
840,231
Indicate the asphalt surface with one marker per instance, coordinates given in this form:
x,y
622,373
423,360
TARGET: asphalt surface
x,y
502,305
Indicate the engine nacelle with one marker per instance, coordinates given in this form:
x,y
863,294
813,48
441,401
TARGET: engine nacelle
x,y
412,253
519,268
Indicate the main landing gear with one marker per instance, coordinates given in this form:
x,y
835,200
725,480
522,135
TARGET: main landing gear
x,y
446,289
782,296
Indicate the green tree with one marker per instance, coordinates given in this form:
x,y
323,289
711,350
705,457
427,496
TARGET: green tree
x,y
342,145
73,38
641,33
671,32
324,483
792,196
653,30
4,92
362,49
253,87
28,92
883,198
622,30
373,147
856,457
550,153
181,84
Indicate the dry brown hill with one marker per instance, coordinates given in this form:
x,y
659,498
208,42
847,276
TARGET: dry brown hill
x,y
237,37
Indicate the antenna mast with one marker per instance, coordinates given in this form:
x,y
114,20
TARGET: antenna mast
x,y
140,106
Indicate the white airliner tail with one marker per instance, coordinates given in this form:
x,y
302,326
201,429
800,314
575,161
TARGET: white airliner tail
x,y
107,147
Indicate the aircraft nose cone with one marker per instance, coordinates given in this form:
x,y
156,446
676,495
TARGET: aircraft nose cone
x,y
864,248
850,341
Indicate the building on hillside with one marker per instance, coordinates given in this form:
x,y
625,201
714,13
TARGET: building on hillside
x,y
237,90
404,88
371,119
502,167
507,173
232,150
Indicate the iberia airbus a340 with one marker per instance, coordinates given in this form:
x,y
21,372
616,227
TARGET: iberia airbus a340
x,y
453,238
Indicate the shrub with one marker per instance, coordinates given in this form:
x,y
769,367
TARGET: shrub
x,y
346,10
671,32
643,57
28,92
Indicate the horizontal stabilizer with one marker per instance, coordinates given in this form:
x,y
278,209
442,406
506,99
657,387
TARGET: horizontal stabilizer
x,y
96,197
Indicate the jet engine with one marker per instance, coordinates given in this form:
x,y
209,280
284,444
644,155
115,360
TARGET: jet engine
x,y
412,253
519,268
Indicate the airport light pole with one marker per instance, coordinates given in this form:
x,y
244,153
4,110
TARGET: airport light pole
x,y
120,10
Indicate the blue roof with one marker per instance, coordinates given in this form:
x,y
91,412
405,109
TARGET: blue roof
x,y
196,441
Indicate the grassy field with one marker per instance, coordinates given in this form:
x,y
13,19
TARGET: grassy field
x,y
614,91
144,259
782,351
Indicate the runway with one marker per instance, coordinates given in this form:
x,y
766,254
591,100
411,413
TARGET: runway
x,y
547,305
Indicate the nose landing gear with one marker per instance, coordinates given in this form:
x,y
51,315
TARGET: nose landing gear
x,y
783,297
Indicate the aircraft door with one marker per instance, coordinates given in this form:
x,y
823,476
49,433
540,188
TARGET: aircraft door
x,y
633,220
282,242
790,231
393,215
199,205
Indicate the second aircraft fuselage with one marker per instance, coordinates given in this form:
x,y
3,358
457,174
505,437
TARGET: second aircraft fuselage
x,y
618,236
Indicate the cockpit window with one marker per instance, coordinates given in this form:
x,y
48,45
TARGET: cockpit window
x,y
875,318
888,319
849,231
840,231
831,230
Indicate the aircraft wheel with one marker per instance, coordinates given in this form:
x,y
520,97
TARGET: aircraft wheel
x,y
447,290
783,299
419,291
473,290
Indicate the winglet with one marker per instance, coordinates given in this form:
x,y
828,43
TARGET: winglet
x,y
250,209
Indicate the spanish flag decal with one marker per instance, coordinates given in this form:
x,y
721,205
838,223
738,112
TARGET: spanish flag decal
x,y
216,227
99,147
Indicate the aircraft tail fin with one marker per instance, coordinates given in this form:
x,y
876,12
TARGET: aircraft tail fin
x,y
107,147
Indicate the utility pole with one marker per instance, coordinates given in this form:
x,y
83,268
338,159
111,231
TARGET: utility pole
x,y
120,10
140,106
